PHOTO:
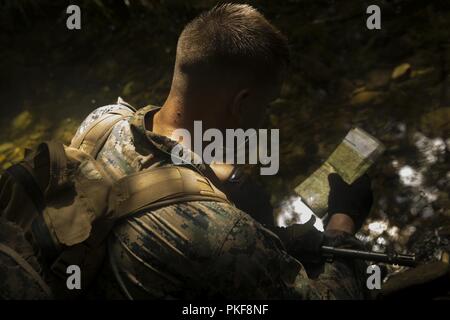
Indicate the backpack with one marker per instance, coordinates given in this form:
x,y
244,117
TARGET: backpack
x,y
63,198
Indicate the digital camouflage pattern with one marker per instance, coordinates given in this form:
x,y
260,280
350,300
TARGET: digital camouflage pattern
x,y
202,249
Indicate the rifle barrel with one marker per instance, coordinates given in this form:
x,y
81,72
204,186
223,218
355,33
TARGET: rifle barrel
x,y
391,258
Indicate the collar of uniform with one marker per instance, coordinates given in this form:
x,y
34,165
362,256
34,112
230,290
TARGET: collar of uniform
x,y
160,142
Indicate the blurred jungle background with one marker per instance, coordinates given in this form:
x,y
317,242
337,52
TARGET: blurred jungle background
x,y
393,82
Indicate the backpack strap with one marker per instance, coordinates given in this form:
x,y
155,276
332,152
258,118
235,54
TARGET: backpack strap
x,y
42,175
21,173
95,136
23,264
50,166
158,187
25,186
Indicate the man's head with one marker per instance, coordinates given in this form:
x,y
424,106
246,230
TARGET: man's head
x,y
230,63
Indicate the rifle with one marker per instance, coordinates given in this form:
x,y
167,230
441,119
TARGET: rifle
x,y
307,243
392,257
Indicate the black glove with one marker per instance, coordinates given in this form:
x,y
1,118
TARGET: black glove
x,y
301,241
305,242
354,200
300,237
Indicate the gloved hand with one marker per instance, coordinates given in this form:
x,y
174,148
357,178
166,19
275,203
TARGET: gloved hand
x,y
304,242
301,241
355,200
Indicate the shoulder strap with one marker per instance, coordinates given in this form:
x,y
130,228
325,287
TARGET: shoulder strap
x,y
22,174
42,175
157,187
27,267
50,166
95,136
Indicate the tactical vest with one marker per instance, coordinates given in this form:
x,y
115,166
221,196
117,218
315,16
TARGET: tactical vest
x,y
64,198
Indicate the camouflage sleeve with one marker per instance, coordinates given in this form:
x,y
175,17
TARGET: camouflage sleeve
x,y
260,268
94,115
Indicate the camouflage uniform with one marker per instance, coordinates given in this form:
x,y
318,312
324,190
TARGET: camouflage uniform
x,y
201,248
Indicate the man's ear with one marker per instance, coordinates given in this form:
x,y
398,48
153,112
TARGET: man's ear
x,y
238,104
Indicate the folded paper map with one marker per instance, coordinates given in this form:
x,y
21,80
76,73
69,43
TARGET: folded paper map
x,y
351,159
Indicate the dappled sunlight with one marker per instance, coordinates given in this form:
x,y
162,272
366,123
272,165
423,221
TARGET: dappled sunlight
x,y
294,210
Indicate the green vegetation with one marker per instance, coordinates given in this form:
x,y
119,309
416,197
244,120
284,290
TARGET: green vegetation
x,y
394,83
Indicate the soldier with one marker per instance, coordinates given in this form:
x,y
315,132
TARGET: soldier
x,y
230,63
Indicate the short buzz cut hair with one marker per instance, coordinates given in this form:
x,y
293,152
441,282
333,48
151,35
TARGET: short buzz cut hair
x,y
232,36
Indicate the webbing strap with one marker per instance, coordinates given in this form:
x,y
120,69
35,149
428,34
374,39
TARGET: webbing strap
x,y
26,266
157,187
46,174
95,136
50,164
25,178
97,140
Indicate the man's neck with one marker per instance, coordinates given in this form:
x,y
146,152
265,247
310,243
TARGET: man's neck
x,y
172,116
177,113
